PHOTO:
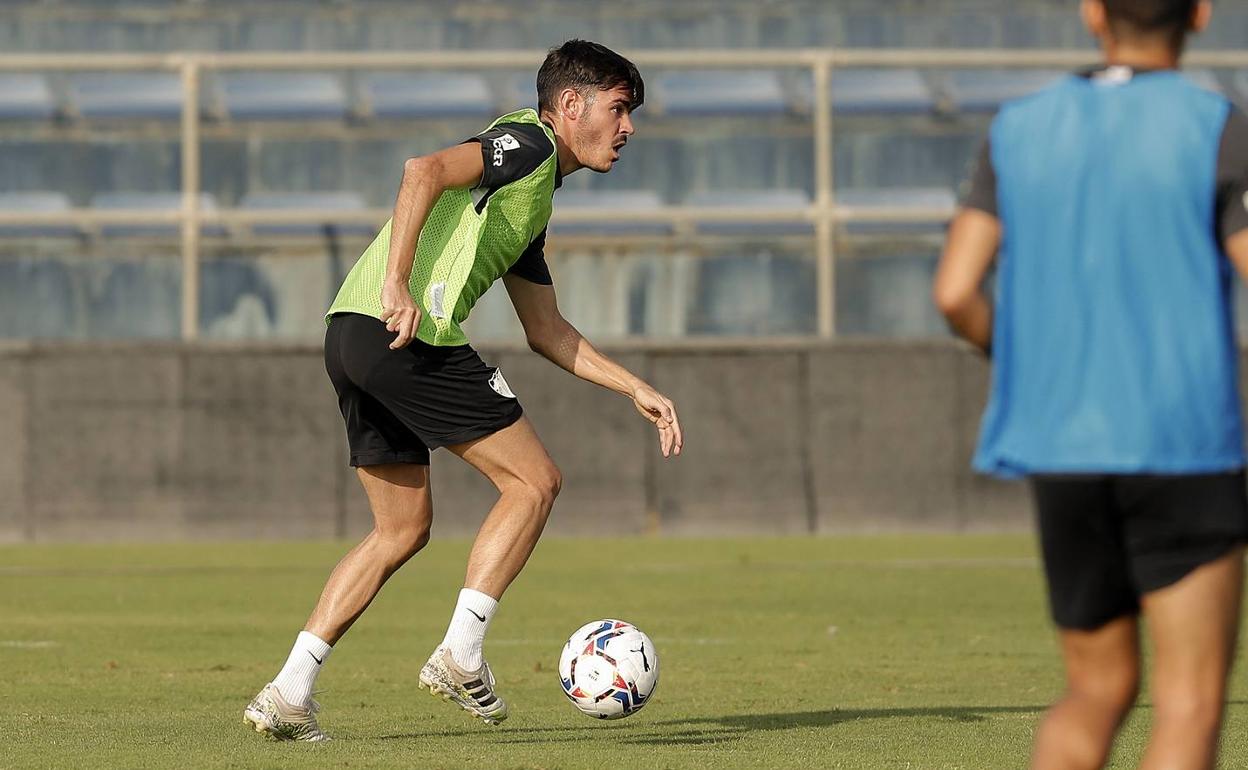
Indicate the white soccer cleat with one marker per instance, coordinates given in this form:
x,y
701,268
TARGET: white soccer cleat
x,y
472,690
269,713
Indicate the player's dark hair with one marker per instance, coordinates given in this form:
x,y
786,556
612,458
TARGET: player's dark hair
x,y
587,67
1153,18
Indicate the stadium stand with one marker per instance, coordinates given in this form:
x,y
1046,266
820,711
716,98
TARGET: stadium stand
x,y
703,93
881,91
327,201
607,202
426,95
151,201
283,96
136,95
758,200
25,96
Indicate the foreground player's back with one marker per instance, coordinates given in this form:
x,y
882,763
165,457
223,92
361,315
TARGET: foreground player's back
x,y
1115,294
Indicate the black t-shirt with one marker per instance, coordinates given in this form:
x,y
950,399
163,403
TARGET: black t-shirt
x,y
510,152
1231,182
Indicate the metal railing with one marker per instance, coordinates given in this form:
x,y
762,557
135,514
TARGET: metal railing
x,y
824,213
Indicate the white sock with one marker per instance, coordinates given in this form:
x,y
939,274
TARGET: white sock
x,y
296,678
471,619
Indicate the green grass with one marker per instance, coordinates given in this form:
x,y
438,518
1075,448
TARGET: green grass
x,y
864,652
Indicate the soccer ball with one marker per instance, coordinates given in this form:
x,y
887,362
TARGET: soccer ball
x,y
609,669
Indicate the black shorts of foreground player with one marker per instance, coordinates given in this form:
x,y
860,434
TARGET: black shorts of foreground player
x,y
1118,199
408,381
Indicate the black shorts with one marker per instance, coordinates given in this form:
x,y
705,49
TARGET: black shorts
x,y
399,404
1108,540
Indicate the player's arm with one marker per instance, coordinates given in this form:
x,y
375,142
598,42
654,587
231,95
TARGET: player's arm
x,y
970,249
425,178
1232,196
958,289
550,335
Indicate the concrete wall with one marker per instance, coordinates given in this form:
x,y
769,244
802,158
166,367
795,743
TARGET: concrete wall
x,y
124,442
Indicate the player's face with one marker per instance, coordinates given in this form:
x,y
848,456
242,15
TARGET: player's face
x,y
604,129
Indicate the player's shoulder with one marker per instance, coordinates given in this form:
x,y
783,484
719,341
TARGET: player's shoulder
x,y
513,131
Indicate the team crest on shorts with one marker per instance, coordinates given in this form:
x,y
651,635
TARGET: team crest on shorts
x,y
500,385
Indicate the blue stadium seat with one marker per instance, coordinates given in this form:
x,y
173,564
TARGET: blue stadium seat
x,y
283,96
885,296
695,93
138,300
1205,78
517,92
881,91
763,200
606,202
226,283
333,201
427,95
36,202
753,294
152,201
987,90
37,299
926,197
25,96
151,95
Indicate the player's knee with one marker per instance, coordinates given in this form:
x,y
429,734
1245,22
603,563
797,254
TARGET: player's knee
x,y
542,486
1113,688
404,542
1197,711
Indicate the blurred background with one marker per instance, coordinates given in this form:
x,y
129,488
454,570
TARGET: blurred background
x,y
183,185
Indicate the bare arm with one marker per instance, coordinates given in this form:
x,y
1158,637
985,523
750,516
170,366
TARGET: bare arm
x,y
550,335
424,180
974,237
1237,250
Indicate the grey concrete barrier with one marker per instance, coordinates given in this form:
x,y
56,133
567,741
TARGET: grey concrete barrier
x,y
112,442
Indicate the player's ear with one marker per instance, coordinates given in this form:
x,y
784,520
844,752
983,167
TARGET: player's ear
x,y
1201,16
1094,18
571,105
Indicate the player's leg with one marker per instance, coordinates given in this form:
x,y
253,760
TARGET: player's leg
x,y
517,464
1094,606
402,513
1102,676
1193,625
393,466
514,460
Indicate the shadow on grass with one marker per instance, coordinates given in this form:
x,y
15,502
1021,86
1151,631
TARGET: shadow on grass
x,y
723,729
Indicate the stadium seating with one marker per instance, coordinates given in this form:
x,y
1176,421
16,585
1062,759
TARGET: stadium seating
x,y
329,201
156,202
283,96
225,285
917,197
758,200
135,95
426,95
886,296
606,202
137,300
35,202
702,93
25,96
986,90
38,299
1240,83
881,91
758,293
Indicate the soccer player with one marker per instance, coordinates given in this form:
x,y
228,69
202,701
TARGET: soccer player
x,y
1117,202
409,382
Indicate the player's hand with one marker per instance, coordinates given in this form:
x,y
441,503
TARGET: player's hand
x,y
660,410
400,313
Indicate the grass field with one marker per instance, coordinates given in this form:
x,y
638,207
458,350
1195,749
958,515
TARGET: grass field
x,y
864,652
